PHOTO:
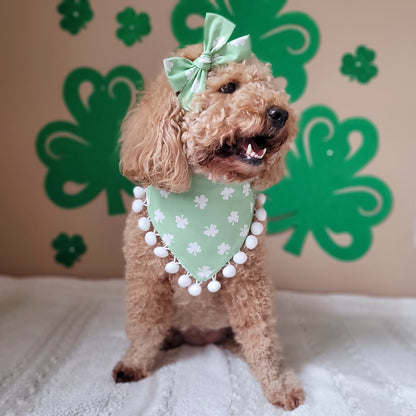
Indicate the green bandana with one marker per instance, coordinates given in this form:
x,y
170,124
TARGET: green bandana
x,y
204,228
189,77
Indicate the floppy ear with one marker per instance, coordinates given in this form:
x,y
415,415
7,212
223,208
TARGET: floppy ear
x,y
152,152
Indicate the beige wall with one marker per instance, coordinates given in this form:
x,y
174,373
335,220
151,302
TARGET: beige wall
x,y
38,55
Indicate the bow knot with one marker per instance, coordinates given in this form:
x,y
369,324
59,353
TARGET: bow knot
x,y
204,61
189,77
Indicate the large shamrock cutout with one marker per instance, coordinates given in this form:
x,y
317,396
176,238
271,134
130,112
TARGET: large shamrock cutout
x,y
323,192
85,153
288,41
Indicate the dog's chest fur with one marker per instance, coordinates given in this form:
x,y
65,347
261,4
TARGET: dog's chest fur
x,y
205,311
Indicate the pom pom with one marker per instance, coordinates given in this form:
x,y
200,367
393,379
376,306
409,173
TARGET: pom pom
x,y
195,289
240,257
139,192
256,228
261,198
184,280
150,238
172,267
143,224
228,271
137,205
261,214
251,242
160,252
214,286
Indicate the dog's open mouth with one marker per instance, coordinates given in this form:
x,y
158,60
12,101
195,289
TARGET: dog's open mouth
x,y
249,150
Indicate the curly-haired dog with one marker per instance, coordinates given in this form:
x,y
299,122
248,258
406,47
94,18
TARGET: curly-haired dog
x,y
162,145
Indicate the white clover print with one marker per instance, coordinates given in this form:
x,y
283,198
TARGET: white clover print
x,y
159,215
204,272
164,193
194,248
201,201
223,249
251,206
244,231
227,193
211,231
168,64
218,43
246,189
196,85
188,73
167,238
233,217
181,221
239,41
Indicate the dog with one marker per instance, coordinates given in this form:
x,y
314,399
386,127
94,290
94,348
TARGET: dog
x,y
163,145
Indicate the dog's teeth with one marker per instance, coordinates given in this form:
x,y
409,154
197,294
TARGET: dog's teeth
x,y
249,150
264,152
253,154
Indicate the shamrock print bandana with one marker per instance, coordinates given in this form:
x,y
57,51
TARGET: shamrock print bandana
x,y
204,228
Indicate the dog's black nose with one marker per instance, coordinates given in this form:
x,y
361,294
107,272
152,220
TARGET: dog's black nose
x,y
277,115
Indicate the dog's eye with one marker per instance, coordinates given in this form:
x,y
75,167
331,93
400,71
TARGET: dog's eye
x,y
228,88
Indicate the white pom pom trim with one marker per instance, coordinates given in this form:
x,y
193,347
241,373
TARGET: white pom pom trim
x,y
214,286
229,271
251,242
137,205
261,199
172,267
139,192
184,280
261,214
143,224
161,252
150,238
195,289
240,257
256,228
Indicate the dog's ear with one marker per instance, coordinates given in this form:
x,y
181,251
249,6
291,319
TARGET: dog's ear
x,y
152,152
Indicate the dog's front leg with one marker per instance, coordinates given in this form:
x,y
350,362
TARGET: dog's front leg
x,y
149,311
249,305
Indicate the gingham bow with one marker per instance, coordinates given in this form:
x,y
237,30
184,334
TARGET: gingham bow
x,y
189,77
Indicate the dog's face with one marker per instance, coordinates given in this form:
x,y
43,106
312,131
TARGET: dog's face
x,y
241,130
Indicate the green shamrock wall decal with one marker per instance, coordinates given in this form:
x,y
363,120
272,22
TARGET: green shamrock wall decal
x,y
360,66
323,192
287,40
85,152
76,14
133,26
69,249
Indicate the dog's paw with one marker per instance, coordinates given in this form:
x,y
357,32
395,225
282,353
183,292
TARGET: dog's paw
x,y
125,374
288,393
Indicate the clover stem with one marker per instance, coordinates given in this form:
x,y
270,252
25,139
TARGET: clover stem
x,y
115,201
296,240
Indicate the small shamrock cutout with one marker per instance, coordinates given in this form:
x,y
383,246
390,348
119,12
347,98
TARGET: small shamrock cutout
x,y
84,153
360,66
76,14
133,26
324,194
286,39
69,249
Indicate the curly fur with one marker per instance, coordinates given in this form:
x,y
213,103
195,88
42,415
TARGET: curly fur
x,y
161,145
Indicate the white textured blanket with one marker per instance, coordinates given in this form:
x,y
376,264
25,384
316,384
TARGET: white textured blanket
x,y
59,339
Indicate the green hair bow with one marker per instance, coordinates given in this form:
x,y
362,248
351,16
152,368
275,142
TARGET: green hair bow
x,y
189,77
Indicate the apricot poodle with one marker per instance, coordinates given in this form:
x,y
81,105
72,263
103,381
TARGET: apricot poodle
x,y
240,133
